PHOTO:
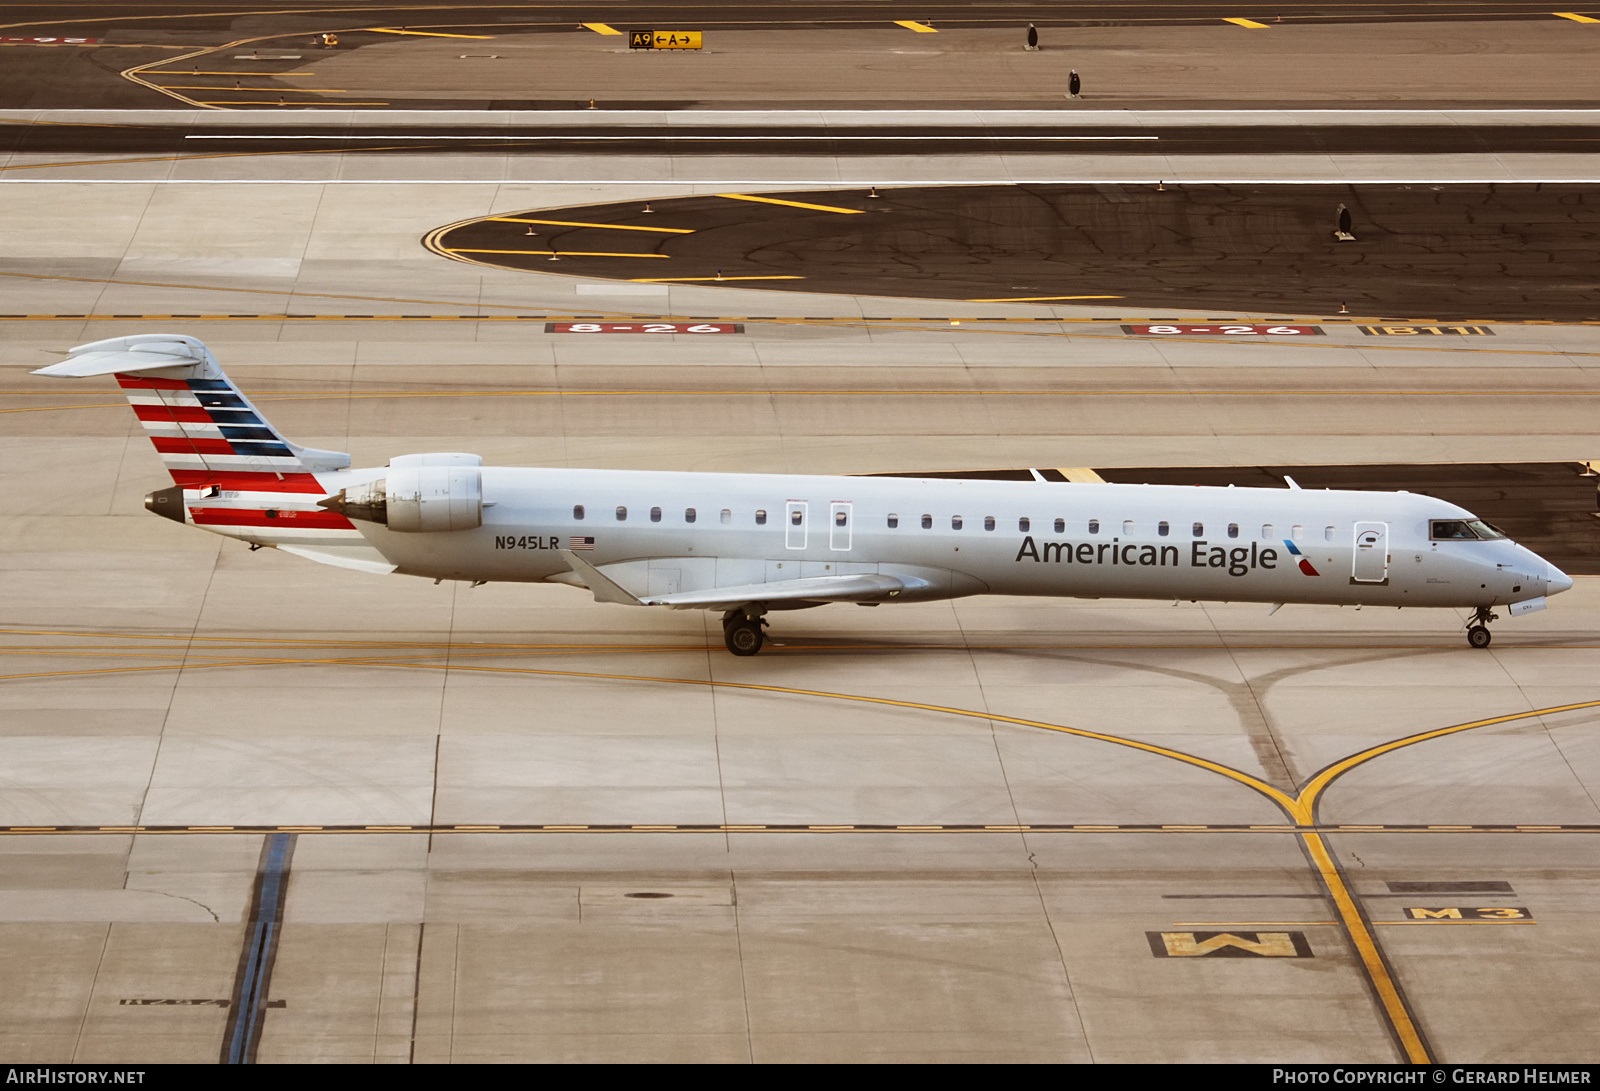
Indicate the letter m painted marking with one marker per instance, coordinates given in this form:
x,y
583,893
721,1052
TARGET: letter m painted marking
x,y
1229,944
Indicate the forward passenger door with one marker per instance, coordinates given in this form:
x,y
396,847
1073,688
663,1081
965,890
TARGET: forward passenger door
x,y
1371,563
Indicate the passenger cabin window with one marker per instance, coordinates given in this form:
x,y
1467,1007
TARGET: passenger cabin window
x,y
1299,532
1266,531
1233,530
840,519
1329,532
727,515
1023,524
1127,526
1162,528
1094,526
894,520
655,515
795,517
577,511
622,513
1061,526
955,522
988,522
761,518
1199,530
688,515
927,522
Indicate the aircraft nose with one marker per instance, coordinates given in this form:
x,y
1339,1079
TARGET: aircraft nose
x,y
1558,581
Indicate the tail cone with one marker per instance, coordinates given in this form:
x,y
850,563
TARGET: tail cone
x,y
167,503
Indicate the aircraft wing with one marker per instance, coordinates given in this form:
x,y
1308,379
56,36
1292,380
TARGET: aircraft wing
x,y
861,588
866,587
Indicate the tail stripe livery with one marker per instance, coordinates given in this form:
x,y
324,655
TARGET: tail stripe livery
x,y
206,425
233,472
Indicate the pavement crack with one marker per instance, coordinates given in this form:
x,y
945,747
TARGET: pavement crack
x,y
181,898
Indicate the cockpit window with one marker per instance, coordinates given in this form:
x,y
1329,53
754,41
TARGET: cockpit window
x,y
1452,530
1486,530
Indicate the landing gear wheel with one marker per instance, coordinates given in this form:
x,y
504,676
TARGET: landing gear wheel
x,y
743,636
1479,636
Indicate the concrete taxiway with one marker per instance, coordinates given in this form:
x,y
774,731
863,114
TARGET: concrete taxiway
x,y
507,823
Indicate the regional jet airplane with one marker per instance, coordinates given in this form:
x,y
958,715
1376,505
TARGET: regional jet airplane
x,y
750,544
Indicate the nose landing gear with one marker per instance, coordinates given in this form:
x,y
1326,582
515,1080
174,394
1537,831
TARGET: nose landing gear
x,y
1478,634
741,631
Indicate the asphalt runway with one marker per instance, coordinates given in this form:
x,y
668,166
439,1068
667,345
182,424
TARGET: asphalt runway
x,y
794,56
1457,253
506,823
763,139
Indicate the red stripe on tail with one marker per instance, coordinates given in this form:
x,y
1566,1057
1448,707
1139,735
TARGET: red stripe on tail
x,y
137,382
248,481
169,445
183,414
237,517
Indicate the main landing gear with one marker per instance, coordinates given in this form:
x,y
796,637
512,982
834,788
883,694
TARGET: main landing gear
x,y
741,631
1478,634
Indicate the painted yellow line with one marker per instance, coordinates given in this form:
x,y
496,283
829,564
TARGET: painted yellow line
x,y
259,102
1372,960
576,223
179,72
912,24
792,204
601,28
425,33
1574,16
1040,298
278,90
561,253
1304,808
675,280
1248,24
1083,475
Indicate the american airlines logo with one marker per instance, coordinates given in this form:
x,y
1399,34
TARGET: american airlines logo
x,y
1236,560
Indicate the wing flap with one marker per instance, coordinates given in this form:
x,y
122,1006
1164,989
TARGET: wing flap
x,y
857,588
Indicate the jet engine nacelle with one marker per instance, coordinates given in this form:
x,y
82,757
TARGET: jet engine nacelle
x,y
420,493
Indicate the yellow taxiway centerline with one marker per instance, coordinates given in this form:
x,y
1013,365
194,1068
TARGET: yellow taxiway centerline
x,y
424,33
574,223
793,204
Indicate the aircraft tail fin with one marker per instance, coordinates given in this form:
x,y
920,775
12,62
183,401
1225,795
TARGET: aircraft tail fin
x,y
206,431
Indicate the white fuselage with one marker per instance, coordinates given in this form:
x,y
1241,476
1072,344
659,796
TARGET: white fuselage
x,y
963,537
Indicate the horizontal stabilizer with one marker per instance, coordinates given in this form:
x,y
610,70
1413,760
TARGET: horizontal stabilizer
x,y
362,558
130,354
858,588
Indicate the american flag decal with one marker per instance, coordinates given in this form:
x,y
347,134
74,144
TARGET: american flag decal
x,y
580,543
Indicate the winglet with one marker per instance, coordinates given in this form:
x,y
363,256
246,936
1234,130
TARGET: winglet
x,y
1293,484
605,589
